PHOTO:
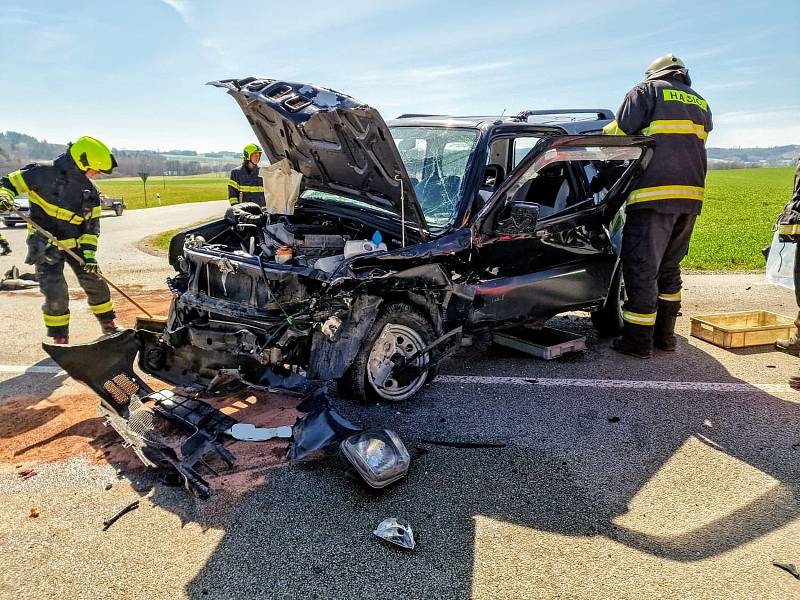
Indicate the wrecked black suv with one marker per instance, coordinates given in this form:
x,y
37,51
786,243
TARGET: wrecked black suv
x,y
406,237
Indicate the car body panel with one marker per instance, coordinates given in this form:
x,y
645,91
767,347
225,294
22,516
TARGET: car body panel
x,y
339,144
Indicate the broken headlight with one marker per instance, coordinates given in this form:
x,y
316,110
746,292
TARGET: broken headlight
x,y
379,456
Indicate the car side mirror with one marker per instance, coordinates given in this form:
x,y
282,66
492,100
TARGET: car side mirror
x,y
517,217
492,177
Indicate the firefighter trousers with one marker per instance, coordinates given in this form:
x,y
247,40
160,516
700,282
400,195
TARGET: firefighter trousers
x,y
653,245
55,309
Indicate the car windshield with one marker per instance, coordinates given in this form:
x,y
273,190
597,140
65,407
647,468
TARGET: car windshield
x,y
436,160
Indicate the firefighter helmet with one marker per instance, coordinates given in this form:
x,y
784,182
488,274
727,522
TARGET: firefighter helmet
x,y
91,153
668,62
249,150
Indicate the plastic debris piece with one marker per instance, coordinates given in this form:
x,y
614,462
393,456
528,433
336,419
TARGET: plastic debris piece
x,y
789,568
247,432
113,519
378,456
396,532
26,474
33,513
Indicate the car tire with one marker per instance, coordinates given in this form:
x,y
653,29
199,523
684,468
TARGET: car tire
x,y
9,224
608,319
412,332
118,210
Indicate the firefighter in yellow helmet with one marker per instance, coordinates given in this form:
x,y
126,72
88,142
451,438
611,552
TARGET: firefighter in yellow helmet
x,y
662,208
64,202
245,185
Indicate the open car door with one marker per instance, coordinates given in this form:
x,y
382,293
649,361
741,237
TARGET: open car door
x,y
547,240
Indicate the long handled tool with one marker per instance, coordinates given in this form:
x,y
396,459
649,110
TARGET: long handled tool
x,y
78,258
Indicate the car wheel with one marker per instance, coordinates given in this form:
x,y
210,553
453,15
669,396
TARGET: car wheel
x,y
399,329
118,210
608,319
9,224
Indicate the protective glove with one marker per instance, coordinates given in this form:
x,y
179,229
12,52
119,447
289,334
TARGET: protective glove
x,y
6,202
89,262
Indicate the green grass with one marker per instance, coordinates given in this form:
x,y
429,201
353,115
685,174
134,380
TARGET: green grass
x,y
738,214
173,190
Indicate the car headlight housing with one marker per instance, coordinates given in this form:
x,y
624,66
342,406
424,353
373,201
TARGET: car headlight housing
x,y
378,455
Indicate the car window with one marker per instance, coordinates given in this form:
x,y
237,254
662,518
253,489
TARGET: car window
x,y
522,147
547,181
436,159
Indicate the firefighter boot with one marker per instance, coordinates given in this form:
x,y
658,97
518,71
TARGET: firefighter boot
x,y
636,340
791,345
794,381
61,340
664,333
109,327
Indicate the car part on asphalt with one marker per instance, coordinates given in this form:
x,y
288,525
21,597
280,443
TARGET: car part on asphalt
x,y
396,532
113,519
320,430
378,456
247,432
789,568
135,411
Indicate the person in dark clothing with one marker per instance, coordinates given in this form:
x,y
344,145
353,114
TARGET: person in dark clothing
x,y
791,232
662,208
245,185
65,203
4,247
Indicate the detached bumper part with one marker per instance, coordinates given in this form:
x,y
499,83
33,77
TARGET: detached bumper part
x,y
378,456
133,409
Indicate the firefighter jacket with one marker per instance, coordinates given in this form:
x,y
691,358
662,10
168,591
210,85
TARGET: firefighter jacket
x,y
789,220
679,120
245,185
62,201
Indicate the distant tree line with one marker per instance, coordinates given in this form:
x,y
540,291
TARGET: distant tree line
x,y
18,149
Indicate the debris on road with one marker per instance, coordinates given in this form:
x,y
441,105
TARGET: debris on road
x,y
320,429
33,512
113,519
26,474
789,568
247,432
396,532
378,456
14,280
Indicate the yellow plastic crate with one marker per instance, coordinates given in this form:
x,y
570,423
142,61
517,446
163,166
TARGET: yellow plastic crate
x,y
742,329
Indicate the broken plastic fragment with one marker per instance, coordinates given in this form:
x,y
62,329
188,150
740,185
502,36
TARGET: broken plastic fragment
x,y
379,456
33,513
248,432
396,532
320,429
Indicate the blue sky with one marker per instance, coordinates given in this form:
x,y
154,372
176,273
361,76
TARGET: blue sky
x,y
132,73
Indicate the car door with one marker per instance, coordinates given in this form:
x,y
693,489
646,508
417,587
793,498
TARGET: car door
x,y
541,244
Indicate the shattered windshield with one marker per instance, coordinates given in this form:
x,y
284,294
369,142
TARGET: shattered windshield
x,y
436,160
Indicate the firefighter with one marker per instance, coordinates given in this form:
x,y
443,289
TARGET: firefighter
x,y
64,202
245,185
790,232
4,247
662,209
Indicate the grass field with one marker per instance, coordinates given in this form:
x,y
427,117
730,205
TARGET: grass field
x,y
738,214
173,190
740,208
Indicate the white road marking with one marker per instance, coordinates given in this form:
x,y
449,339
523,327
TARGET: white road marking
x,y
696,386
32,369
670,386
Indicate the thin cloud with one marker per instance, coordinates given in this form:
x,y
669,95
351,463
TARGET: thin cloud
x,y
180,6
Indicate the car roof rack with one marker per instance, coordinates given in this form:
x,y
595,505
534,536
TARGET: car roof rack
x,y
600,113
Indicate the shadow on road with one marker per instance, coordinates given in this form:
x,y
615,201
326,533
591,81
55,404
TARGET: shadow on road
x,y
576,461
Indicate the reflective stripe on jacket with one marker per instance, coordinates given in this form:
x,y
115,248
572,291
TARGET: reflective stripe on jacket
x,y
245,185
679,120
62,200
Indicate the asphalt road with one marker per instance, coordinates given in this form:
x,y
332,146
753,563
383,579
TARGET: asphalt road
x,y
675,477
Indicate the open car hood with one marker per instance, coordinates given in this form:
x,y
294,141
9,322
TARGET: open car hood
x,y
340,145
